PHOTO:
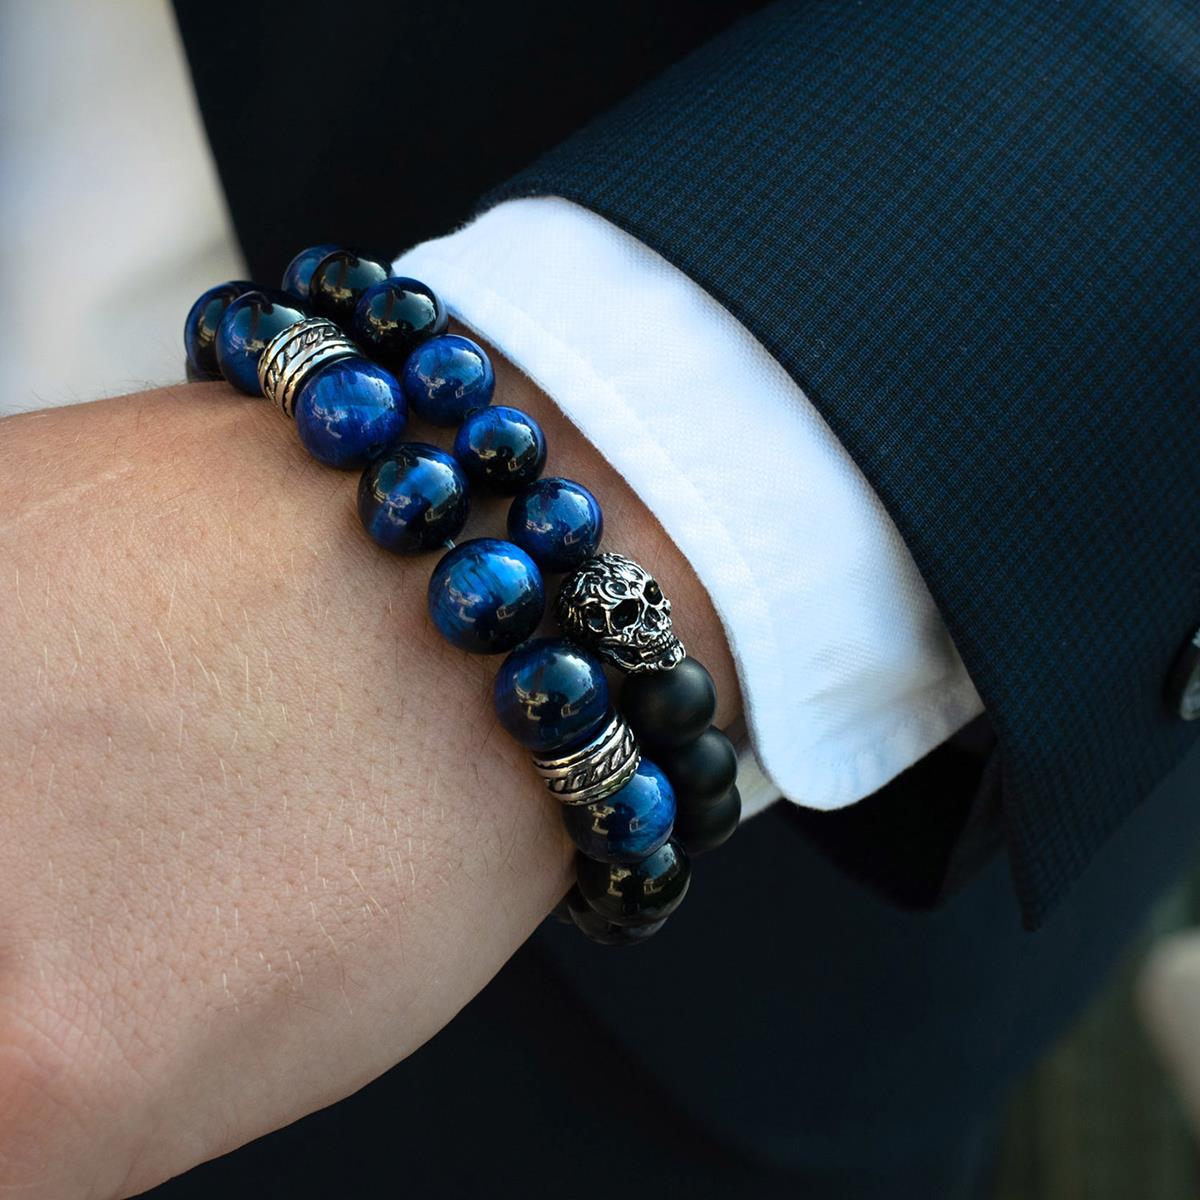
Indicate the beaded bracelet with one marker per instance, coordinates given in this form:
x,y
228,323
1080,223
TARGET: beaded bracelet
x,y
345,349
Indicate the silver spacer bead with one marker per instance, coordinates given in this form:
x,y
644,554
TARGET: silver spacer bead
x,y
603,766
294,353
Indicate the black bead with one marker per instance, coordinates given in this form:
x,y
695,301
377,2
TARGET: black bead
x,y
637,893
394,317
200,328
604,933
706,828
669,708
701,771
340,278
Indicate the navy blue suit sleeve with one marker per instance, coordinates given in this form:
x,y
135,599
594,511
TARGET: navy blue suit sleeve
x,y
970,231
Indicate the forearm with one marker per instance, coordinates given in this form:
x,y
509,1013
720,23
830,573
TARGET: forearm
x,y
261,836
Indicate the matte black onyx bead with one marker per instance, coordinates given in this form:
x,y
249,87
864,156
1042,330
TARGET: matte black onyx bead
x,y
339,280
706,828
635,893
394,317
669,708
701,771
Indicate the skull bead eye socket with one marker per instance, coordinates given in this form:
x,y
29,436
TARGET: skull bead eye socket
x,y
594,618
625,614
652,592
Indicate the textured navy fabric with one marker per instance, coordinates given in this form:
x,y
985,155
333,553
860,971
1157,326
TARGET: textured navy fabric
x,y
970,231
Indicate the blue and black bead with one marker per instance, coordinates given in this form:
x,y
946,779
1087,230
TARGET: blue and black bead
x,y
446,377
393,317
297,276
339,280
413,499
635,893
629,825
349,413
550,694
500,447
247,325
200,328
558,522
486,596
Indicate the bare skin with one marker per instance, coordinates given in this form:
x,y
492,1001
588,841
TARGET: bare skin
x,y
260,836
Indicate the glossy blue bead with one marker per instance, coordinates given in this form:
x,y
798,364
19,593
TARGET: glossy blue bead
x,y
248,324
550,694
413,499
630,824
349,413
557,522
446,377
486,596
393,317
340,278
297,277
501,447
203,321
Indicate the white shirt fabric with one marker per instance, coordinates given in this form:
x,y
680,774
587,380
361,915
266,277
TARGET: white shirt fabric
x,y
847,671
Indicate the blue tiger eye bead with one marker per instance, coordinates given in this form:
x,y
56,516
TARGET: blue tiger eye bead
x,y
557,522
501,447
486,596
629,825
349,413
446,377
550,693
635,893
200,328
395,316
246,327
413,499
297,276
339,280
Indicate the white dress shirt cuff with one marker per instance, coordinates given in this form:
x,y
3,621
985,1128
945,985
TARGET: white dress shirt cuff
x,y
847,672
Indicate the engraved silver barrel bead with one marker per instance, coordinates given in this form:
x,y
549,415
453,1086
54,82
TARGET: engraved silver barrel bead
x,y
294,353
596,770
614,607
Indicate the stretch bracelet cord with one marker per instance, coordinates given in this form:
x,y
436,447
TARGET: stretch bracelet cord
x,y
345,349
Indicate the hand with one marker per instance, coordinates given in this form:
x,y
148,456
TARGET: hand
x,y
261,835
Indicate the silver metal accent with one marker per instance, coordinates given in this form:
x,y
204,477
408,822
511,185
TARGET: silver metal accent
x,y
294,353
603,766
615,607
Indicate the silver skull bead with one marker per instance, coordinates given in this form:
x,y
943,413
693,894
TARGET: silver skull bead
x,y
614,606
